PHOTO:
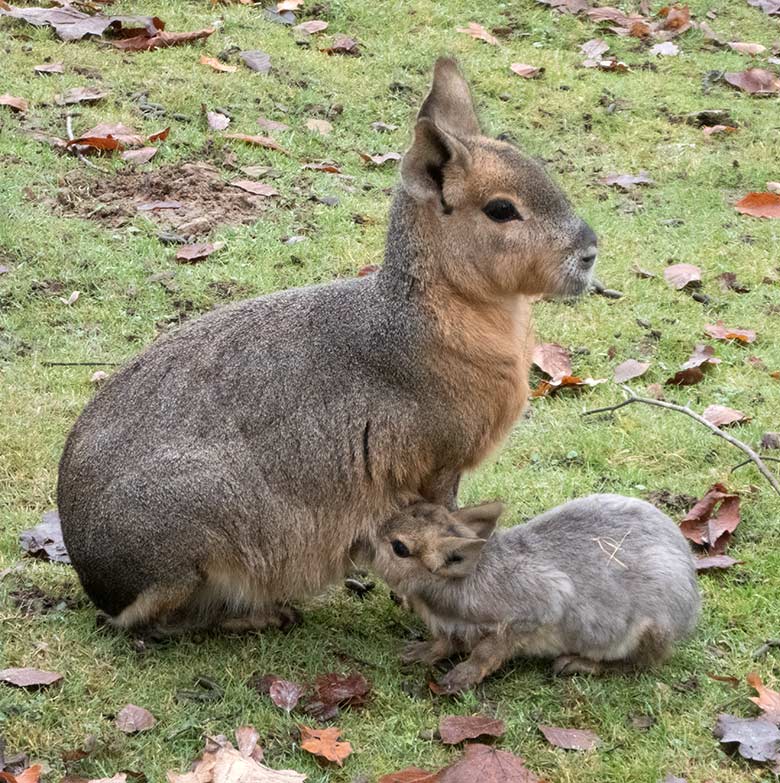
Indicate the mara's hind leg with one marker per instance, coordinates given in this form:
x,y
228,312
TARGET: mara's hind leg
x,y
260,618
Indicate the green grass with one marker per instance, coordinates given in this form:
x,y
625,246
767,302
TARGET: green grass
x,y
552,456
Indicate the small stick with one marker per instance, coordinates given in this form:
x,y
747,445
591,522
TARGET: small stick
x,y
753,457
80,155
80,364
765,648
597,287
748,461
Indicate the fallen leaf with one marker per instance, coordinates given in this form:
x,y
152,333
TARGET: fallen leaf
x,y
553,359
680,276
144,155
702,356
324,743
108,136
763,205
767,6
611,64
258,141
548,387
734,681
197,252
719,331
570,739
708,562
526,71
773,187
410,775
160,135
80,95
214,63
665,49
384,127
255,188
712,130
30,775
271,125
770,440
567,6
247,738
323,127
48,68
478,31
755,81
131,719
747,48
349,690
629,369
311,27
755,739
594,48
285,694
687,377
380,160
712,520
17,104
767,700
327,166
728,282
98,377
641,273
217,121
29,678
45,540
626,181
454,729
368,269
488,765
163,39
288,5
721,416
72,299
342,44
257,61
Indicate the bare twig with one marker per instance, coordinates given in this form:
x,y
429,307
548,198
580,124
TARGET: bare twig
x,y
80,364
80,155
753,457
748,461
597,287
765,648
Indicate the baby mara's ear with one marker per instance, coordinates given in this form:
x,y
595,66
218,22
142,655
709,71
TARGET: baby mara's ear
x,y
481,519
459,555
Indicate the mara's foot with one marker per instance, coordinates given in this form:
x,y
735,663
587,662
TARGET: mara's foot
x,y
566,665
282,617
460,678
426,652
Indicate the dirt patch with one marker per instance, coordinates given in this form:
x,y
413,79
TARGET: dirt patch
x,y
189,199
31,600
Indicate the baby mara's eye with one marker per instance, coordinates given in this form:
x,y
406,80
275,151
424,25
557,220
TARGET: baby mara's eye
x,y
400,549
501,210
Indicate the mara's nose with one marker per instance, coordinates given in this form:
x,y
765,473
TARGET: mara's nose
x,y
588,244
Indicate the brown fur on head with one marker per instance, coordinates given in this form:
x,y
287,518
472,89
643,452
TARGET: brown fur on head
x,y
502,226
425,542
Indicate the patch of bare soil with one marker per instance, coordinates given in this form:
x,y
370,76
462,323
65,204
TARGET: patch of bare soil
x,y
189,199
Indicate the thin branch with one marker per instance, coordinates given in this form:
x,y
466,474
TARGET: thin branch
x,y
765,648
748,461
80,364
753,457
80,155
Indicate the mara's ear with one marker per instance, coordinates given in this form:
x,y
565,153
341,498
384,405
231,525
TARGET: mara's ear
x,y
422,169
481,519
459,555
449,104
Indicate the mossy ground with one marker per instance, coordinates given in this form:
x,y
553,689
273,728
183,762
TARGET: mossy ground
x,y
586,124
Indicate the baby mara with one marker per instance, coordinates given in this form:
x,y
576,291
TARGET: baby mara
x,y
602,583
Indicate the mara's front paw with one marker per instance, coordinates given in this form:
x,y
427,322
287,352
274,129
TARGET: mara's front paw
x,y
464,676
567,665
423,652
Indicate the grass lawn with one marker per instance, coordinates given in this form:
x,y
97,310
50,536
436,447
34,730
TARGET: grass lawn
x,y
57,235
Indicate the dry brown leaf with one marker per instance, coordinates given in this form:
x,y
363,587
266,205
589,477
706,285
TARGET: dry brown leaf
x,y
323,127
721,416
755,81
712,130
680,276
763,205
410,775
257,61
217,121
687,377
259,141
594,48
324,743
629,369
80,95
29,678
702,356
108,136
47,68
342,44
311,27
255,188
526,71
747,48
131,719
708,562
484,764
756,739
30,775
570,739
194,253
551,386
326,166
217,65
478,31
12,102
719,331
271,125
712,520
45,540
141,156
767,699
381,159
552,359
454,729
285,694
626,181
163,39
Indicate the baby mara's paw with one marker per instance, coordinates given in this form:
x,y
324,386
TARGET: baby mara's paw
x,y
423,652
567,665
462,677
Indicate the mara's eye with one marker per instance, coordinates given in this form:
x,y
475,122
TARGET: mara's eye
x,y
454,558
400,549
501,210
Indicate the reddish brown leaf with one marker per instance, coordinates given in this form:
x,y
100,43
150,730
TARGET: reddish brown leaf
x,y
721,416
285,694
767,699
755,81
197,252
714,561
17,104
747,48
28,678
255,188
526,71
311,27
728,282
342,44
548,387
271,125
324,743
553,359
478,31
217,121
217,65
330,168
454,729
763,205
380,160
410,775
594,49
368,269
721,332
570,739
80,95
45,540
29,775
160,135
247,738
629,369
108,136
143,43
484,764
712,520
681,275
259,141
723,677
131,719
702,356
626,181
257,61
712,130
756,739
349,690
47,68
144,155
